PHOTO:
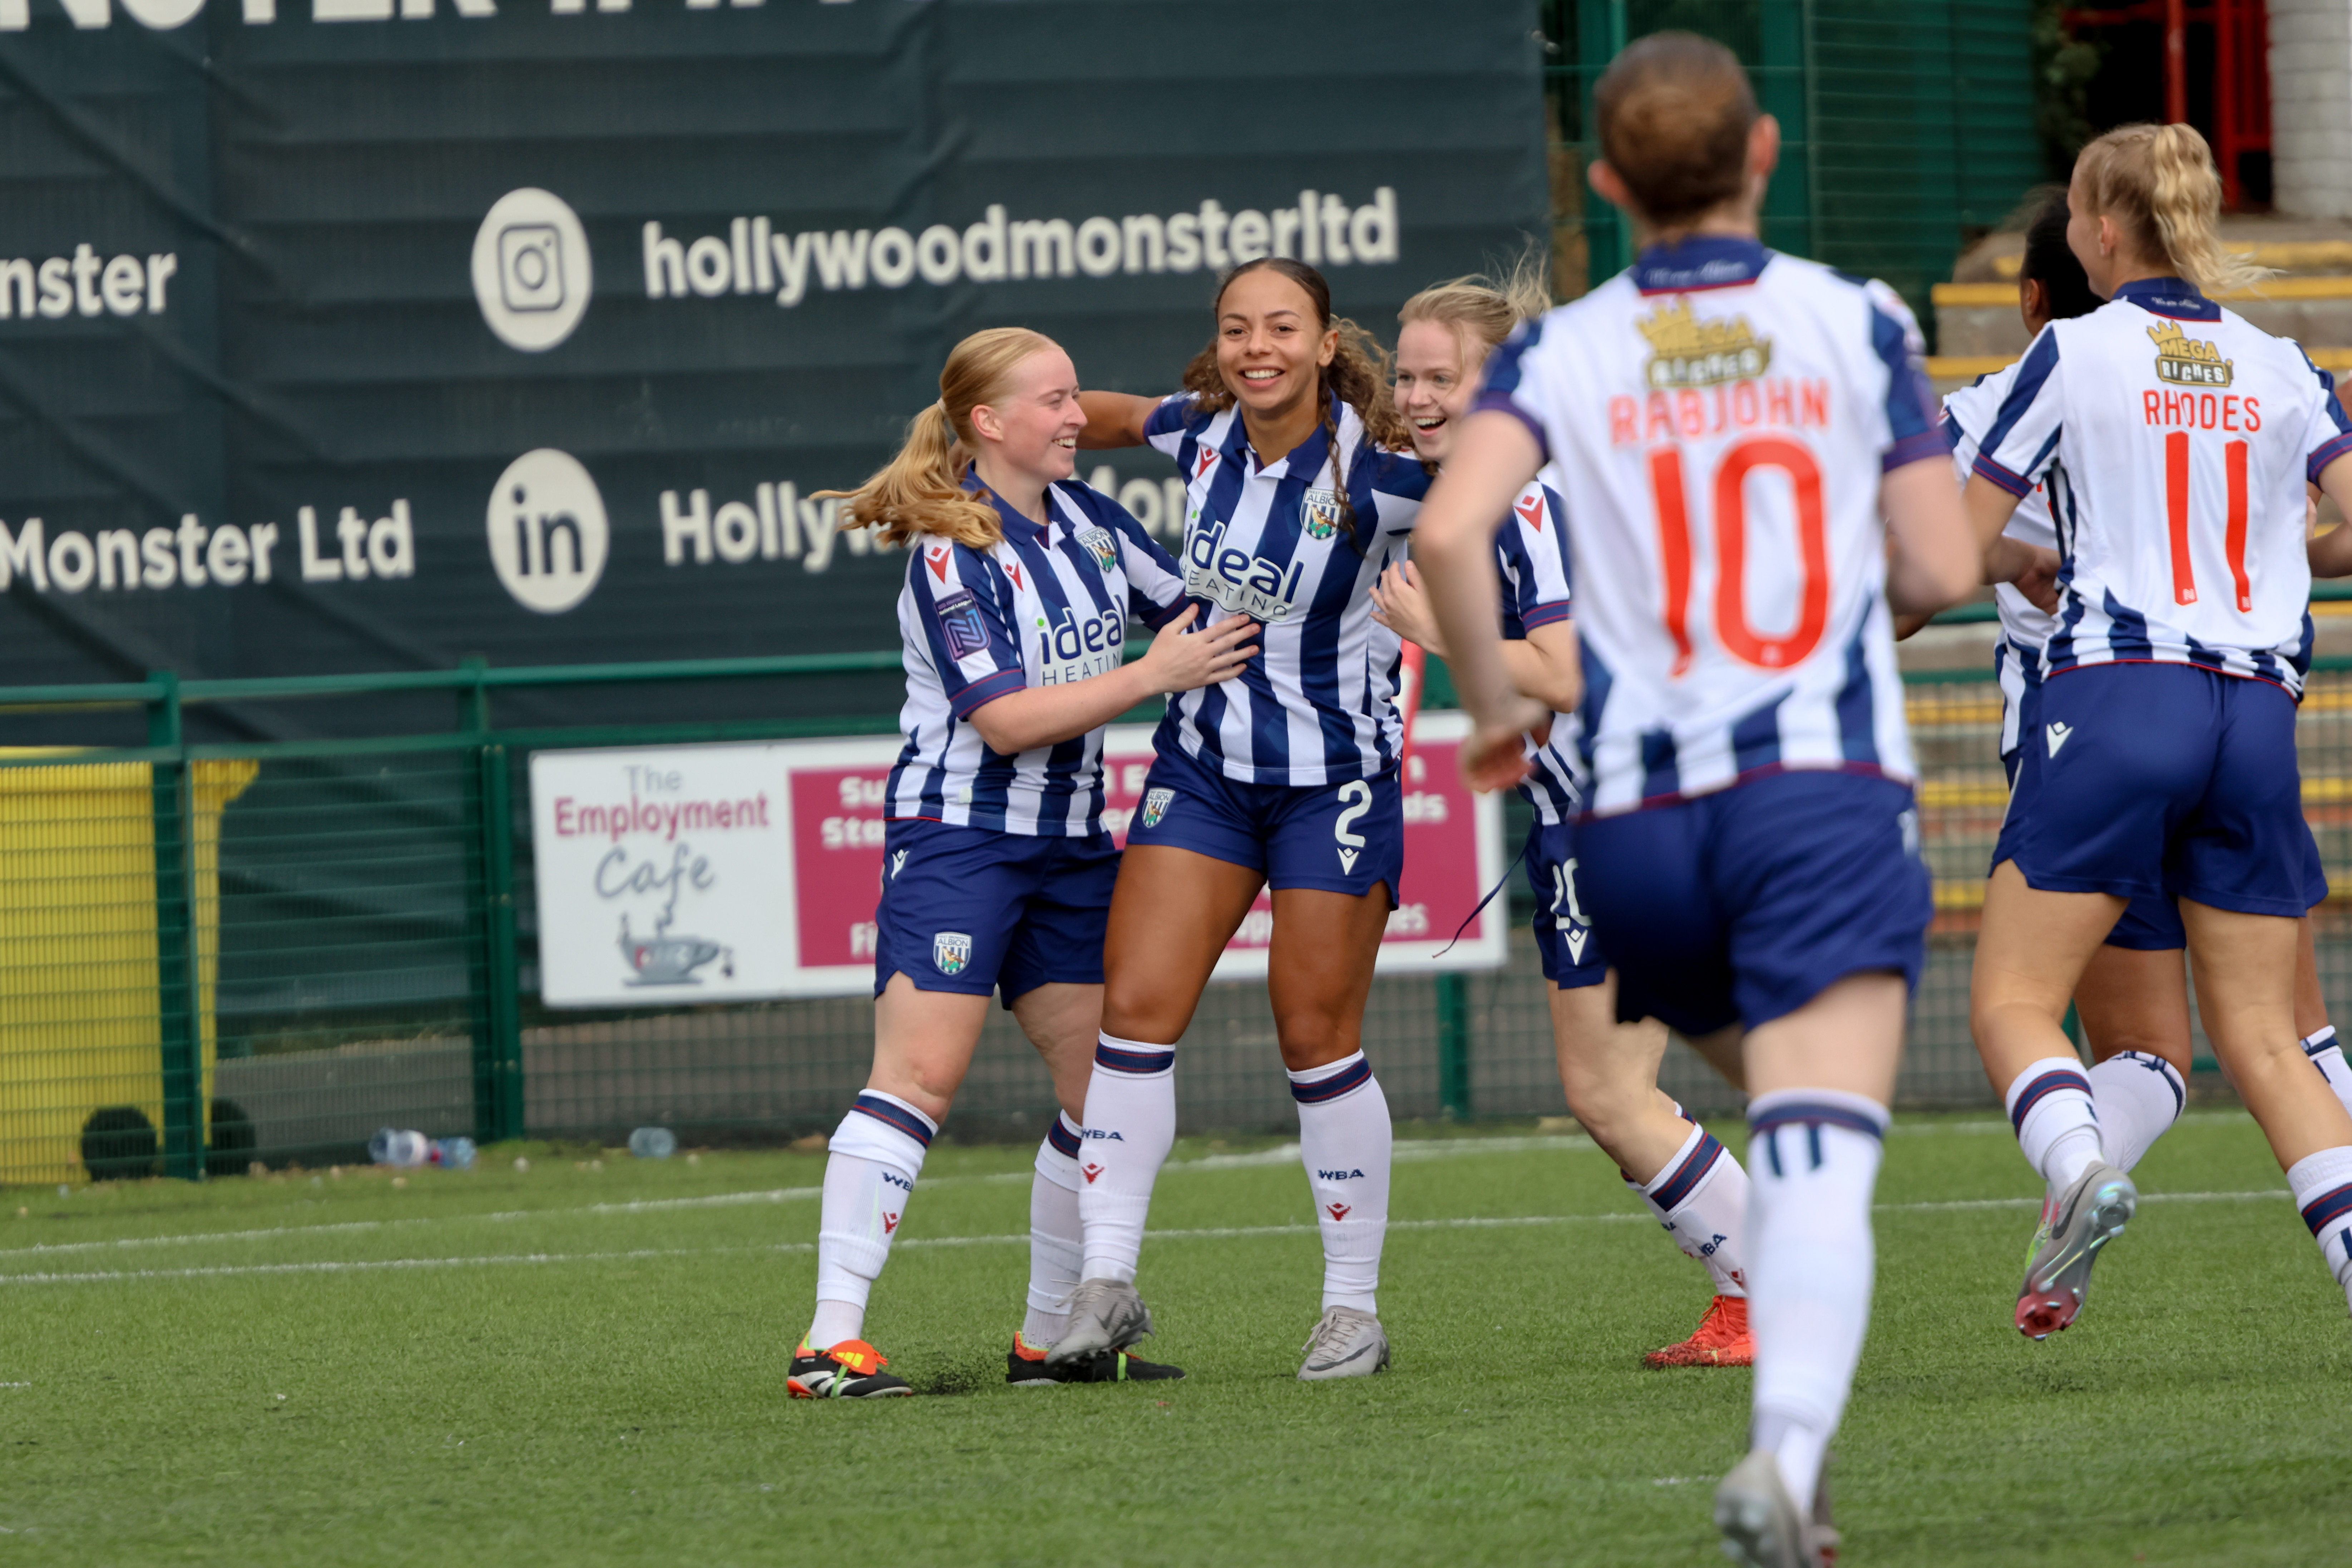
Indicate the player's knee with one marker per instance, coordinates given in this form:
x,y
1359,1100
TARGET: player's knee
x,y
1604,1102
1311,1040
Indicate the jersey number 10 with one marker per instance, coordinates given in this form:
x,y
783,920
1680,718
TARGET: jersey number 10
x,y
2233,532
1739,639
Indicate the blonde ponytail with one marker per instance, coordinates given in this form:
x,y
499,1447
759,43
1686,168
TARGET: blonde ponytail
x,y
921,491
2158,182
1483,309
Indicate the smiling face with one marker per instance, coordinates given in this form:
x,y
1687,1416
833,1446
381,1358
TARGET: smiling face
x,y
1270,343
1032,427
1434,384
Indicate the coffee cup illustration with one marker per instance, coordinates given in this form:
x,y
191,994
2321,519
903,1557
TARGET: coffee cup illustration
x,y
662,959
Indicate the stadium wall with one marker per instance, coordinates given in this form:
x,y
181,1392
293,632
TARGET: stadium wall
x,y
349,335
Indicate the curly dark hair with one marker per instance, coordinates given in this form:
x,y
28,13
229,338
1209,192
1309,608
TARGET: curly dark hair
x,y
1358,374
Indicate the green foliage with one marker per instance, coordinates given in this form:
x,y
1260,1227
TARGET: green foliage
x,y
578,1366
2063,70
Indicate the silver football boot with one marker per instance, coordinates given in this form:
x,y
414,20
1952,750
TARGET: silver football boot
x,y
1346,1344
1761,1524
2087,1215
1104,1315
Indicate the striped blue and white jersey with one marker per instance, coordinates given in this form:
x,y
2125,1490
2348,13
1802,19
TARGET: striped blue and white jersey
x,y
1723,415
1531,551
1316,705
2186,434
2024,626
1042,606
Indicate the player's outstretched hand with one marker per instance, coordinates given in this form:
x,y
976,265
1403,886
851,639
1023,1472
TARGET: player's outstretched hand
x,y
1493,757
1400,604
2039,580
1182,661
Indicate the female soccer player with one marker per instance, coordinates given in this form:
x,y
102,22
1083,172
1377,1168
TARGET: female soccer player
x,y
1297,496
2164,761
2133,997
1734,424
1694,1186
997,871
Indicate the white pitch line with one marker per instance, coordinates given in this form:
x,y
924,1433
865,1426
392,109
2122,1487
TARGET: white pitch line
x,y
1408,1152
1213,1233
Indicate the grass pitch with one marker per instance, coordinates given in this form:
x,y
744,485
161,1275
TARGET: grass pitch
x,y
583,1365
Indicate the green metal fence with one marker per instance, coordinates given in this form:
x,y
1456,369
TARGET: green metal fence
x,y
213,953
1907,130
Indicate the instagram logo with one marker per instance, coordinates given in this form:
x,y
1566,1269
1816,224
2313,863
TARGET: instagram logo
x,y
531,274
531,267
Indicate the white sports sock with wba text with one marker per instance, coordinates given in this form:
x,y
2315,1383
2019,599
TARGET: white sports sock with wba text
x,y
2139,1097
2327,1054
1056,1236
1814,1156
2322,1184
1701,1197
2057,1122
869,1174
1344,1142
1131,1125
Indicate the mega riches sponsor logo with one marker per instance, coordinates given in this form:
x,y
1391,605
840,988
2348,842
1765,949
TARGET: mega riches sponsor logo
x,y
532,273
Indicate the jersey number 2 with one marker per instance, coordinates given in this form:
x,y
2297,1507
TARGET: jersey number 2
x,y
2233,528
1742,641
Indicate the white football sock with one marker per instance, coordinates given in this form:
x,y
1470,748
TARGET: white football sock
x,y
1810,1264
2057,1124
2139,1097
1056,1238
1344,1142
869,1173
2327,1054
2323,1191
1700,1196
1130,1126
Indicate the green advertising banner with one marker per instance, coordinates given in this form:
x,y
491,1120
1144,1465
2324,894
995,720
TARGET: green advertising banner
x,y
374,335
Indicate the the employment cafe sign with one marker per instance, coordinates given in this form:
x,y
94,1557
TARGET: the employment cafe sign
x,y
677,875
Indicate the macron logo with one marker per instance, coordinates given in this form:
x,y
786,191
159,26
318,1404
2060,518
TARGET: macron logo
x,y
1091,1172
2058,736
1348,861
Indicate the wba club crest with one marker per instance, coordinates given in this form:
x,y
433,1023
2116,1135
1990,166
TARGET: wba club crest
x,y
1106,550
1155,806
952,950
1321,513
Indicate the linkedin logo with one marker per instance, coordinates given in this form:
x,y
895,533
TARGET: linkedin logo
x,y
532,272
547,531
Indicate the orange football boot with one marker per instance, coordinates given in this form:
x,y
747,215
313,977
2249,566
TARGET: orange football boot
x,y
1721,1339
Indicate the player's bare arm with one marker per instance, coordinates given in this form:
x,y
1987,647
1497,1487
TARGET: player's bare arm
x,y
2331,552
1113,419
1545,664
1493,459
1178,660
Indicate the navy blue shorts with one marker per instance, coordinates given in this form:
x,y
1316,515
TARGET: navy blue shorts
x,y
972,910
2151,924
1744,905
1571,953
2163,781
1341,838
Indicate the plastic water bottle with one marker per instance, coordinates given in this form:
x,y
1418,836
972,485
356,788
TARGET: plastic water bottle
x,y
653,1142
393,1146
453,1153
